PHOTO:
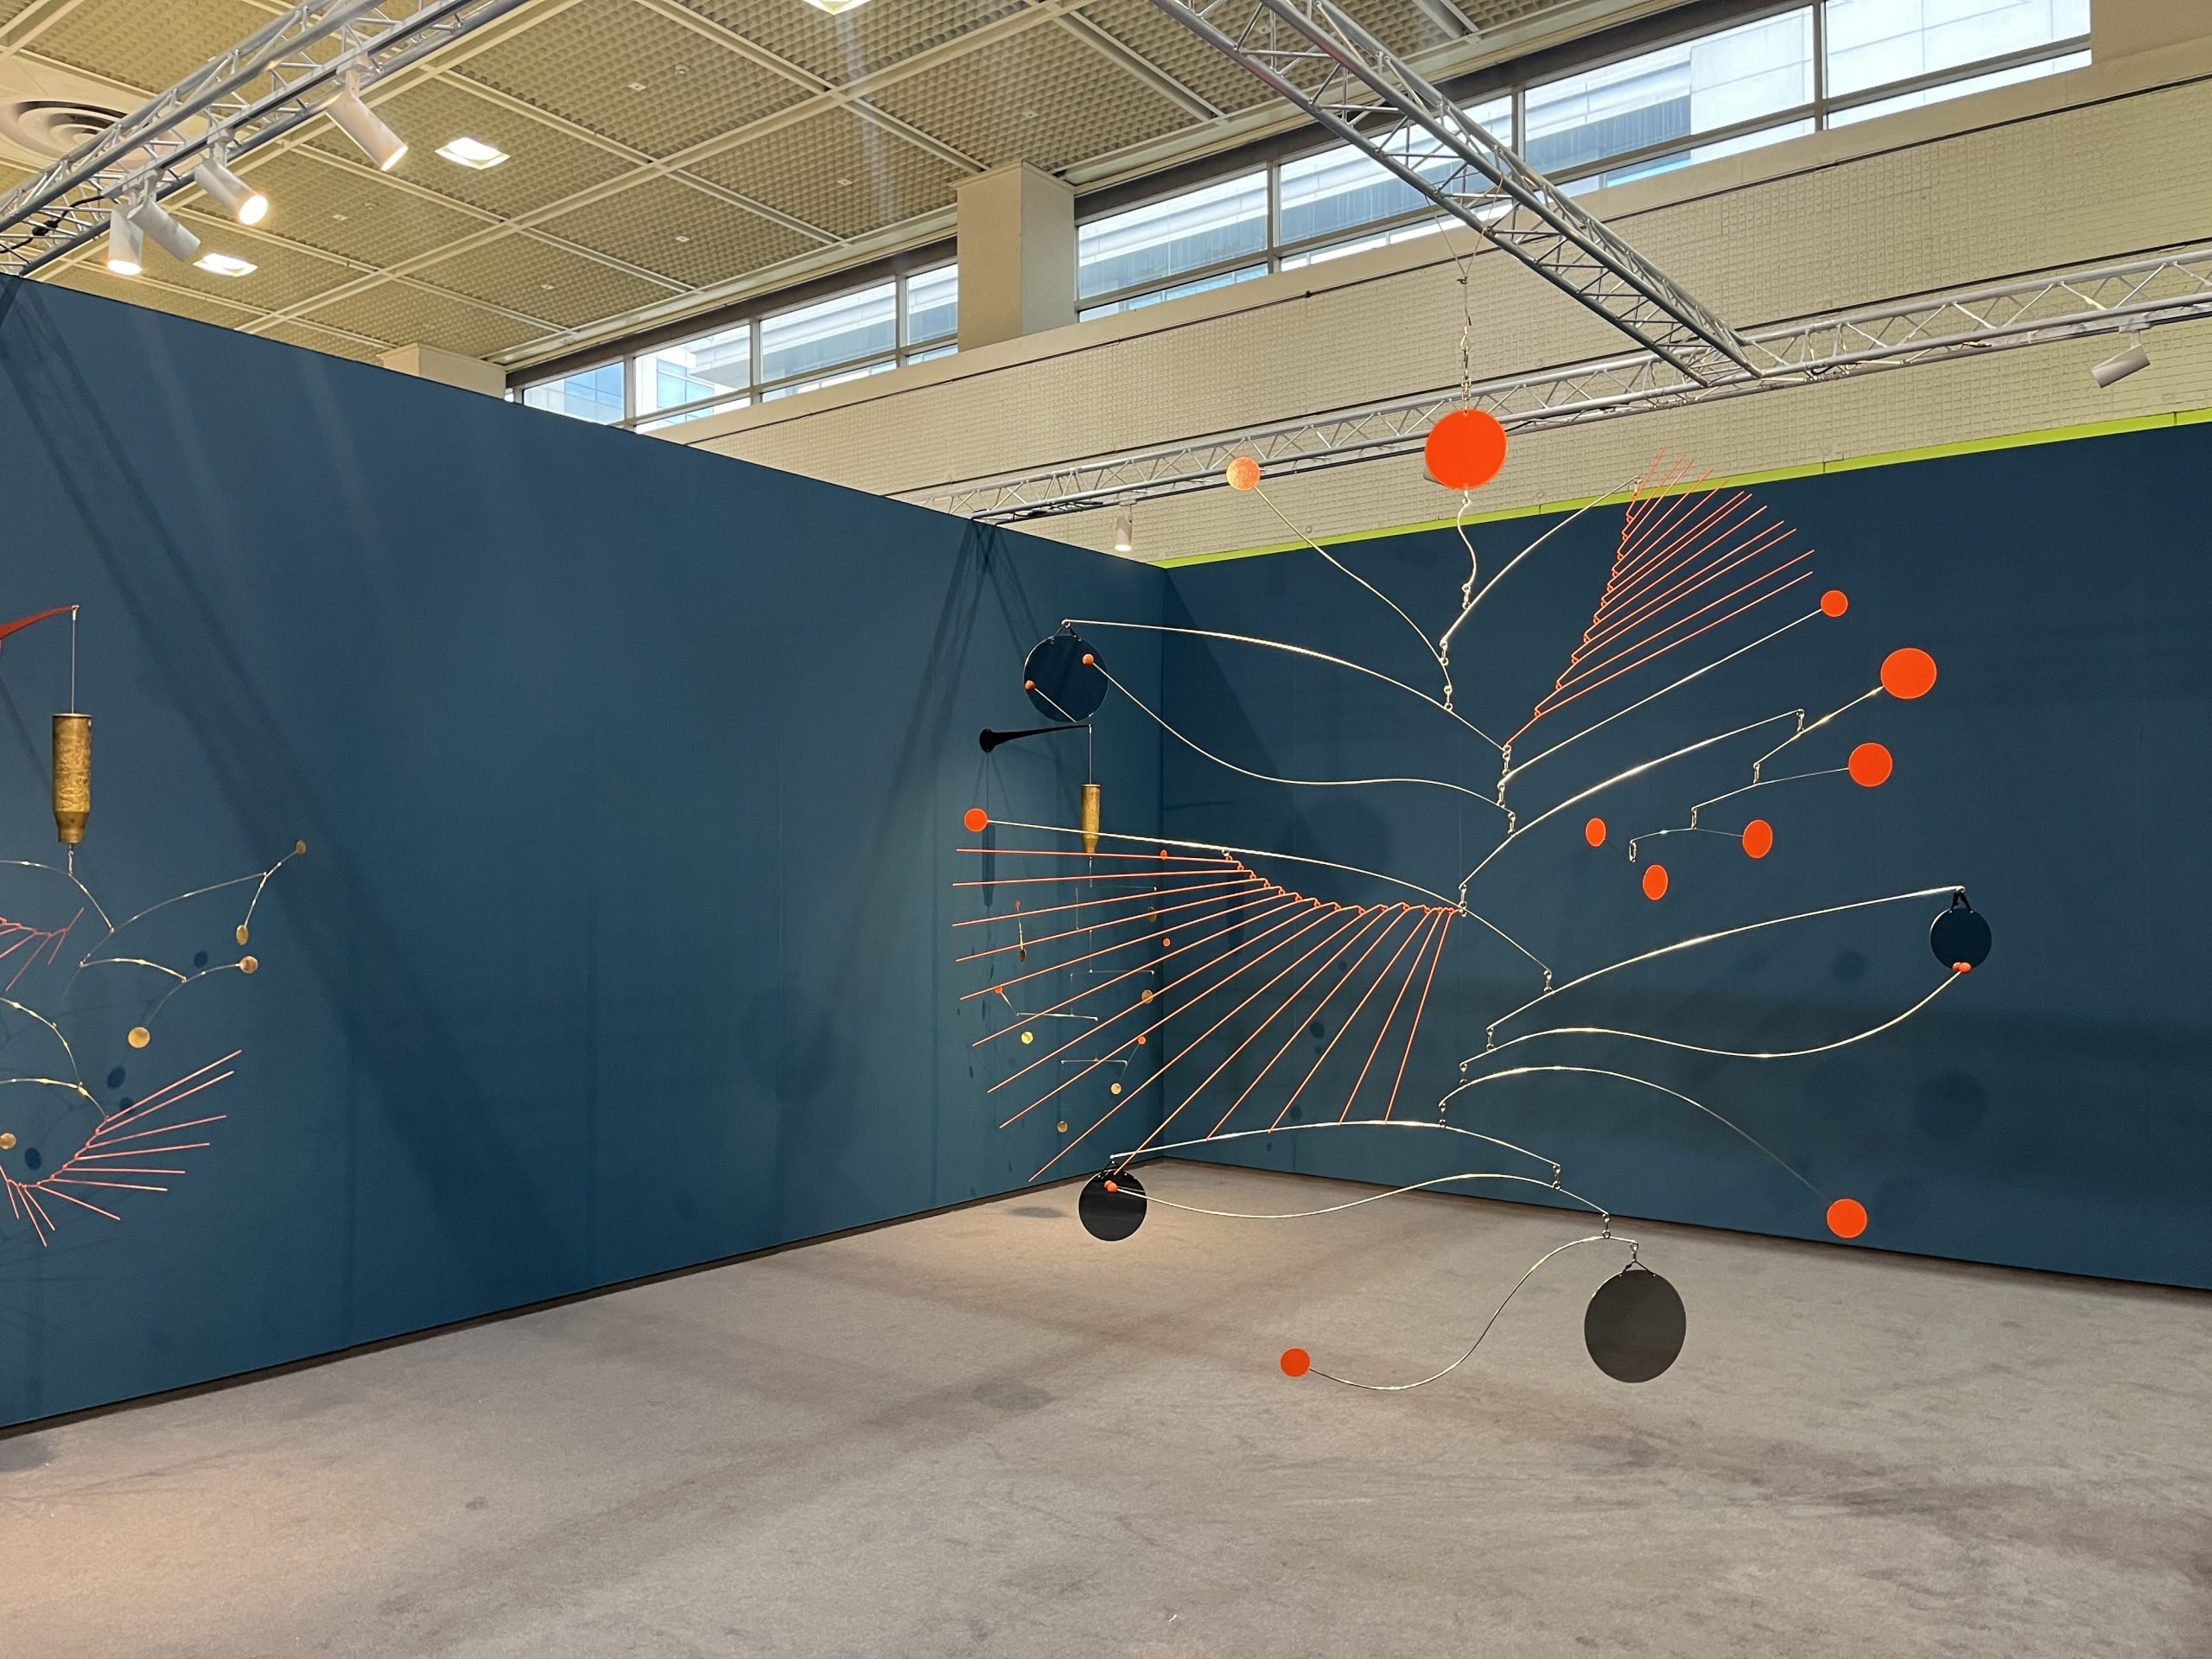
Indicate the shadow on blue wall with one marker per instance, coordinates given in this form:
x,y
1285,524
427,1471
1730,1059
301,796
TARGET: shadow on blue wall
x,y
2051,1110
631,778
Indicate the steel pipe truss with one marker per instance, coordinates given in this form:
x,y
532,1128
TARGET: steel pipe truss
x,y
1314,54
279,76
2065,305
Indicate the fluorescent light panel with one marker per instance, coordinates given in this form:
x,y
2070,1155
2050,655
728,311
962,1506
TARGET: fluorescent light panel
x,y
224,264
472,152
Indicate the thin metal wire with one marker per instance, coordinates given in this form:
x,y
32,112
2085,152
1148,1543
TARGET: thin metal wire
x,y
1896,1020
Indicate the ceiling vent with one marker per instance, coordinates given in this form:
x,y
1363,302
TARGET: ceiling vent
x,y
52,127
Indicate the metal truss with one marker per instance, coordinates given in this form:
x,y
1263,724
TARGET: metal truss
x,y
1316,55
2063,305
279,76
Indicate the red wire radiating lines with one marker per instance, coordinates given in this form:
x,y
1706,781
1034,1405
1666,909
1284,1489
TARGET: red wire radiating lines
x,y
1264,896
1666,560
1214,860
1346,1025
1018,914
1412,968
1162,1126
89,1162
23,933
1090,927
1419,1008
1301,905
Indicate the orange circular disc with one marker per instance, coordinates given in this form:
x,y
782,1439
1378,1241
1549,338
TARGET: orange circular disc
x,y
1847,1217
1869,766
1655,881
1594,832
1907,673
1833,602
1465,449
976,819
1243,473
1758,838
1296,1361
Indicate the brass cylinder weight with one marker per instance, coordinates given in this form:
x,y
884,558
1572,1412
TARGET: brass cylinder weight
x,y
1090,819
72,777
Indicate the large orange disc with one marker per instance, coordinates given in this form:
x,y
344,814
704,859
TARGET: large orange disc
x,y
976,819
1296,1361
1847,1217
1465,449
1594,832
1869,765
1907,673
1243,473
1655,881
1758,838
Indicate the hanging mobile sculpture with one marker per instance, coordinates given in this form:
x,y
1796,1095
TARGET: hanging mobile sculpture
x,y
61,1149
1187,941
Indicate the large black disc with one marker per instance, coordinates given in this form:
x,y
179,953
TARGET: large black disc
x,y
1114,1215
1960,934
1061,685
1634,1325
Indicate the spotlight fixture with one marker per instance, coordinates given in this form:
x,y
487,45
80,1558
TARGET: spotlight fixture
x,y
168,236
362,124
1125,533
2113,370
224,264
472,152
229,192
126,244
834,7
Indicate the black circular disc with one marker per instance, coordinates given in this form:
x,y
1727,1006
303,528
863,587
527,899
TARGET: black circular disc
x,y
1111,1216
1960,934
1061,684
1634,1325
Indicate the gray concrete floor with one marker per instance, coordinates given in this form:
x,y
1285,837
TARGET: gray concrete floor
x,y
985,1434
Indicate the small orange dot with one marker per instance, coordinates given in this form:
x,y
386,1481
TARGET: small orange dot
x,y
1655,881
1962,967
1165,941
1243,473
1113,1186
1847,1217
1833,602
977,820
1296,1361
1029,685
1089,661
1163,852
1869,766
1907,673
1141,1040
1594,832
1758,838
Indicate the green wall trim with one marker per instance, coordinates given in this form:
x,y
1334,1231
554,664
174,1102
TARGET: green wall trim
x,y
1848,464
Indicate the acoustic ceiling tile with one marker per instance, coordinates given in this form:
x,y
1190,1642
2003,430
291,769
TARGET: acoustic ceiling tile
x,y
404,314
838,172
665,225
1041,95
623,70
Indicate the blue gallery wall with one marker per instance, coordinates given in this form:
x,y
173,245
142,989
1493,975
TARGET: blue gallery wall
x,y
2053,1111
631,778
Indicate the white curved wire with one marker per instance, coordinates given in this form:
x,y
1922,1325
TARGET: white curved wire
x,y
1948,981
1373,1197
1349,571
1164,1147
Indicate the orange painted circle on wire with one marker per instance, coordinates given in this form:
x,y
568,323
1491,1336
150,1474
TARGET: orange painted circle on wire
x,y
977,820
1655,882
1847,1217
1465,449
1594,832
1907,673
1243,473
1758,838
1834,602
1870,766
1296,1361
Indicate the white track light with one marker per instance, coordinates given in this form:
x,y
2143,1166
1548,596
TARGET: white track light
x,y
2115,369
169,236
1125,533
126,244
229,192
360,124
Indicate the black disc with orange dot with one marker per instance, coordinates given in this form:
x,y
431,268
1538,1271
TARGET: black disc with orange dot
x,y
1112,1205
1062,678
1960,936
